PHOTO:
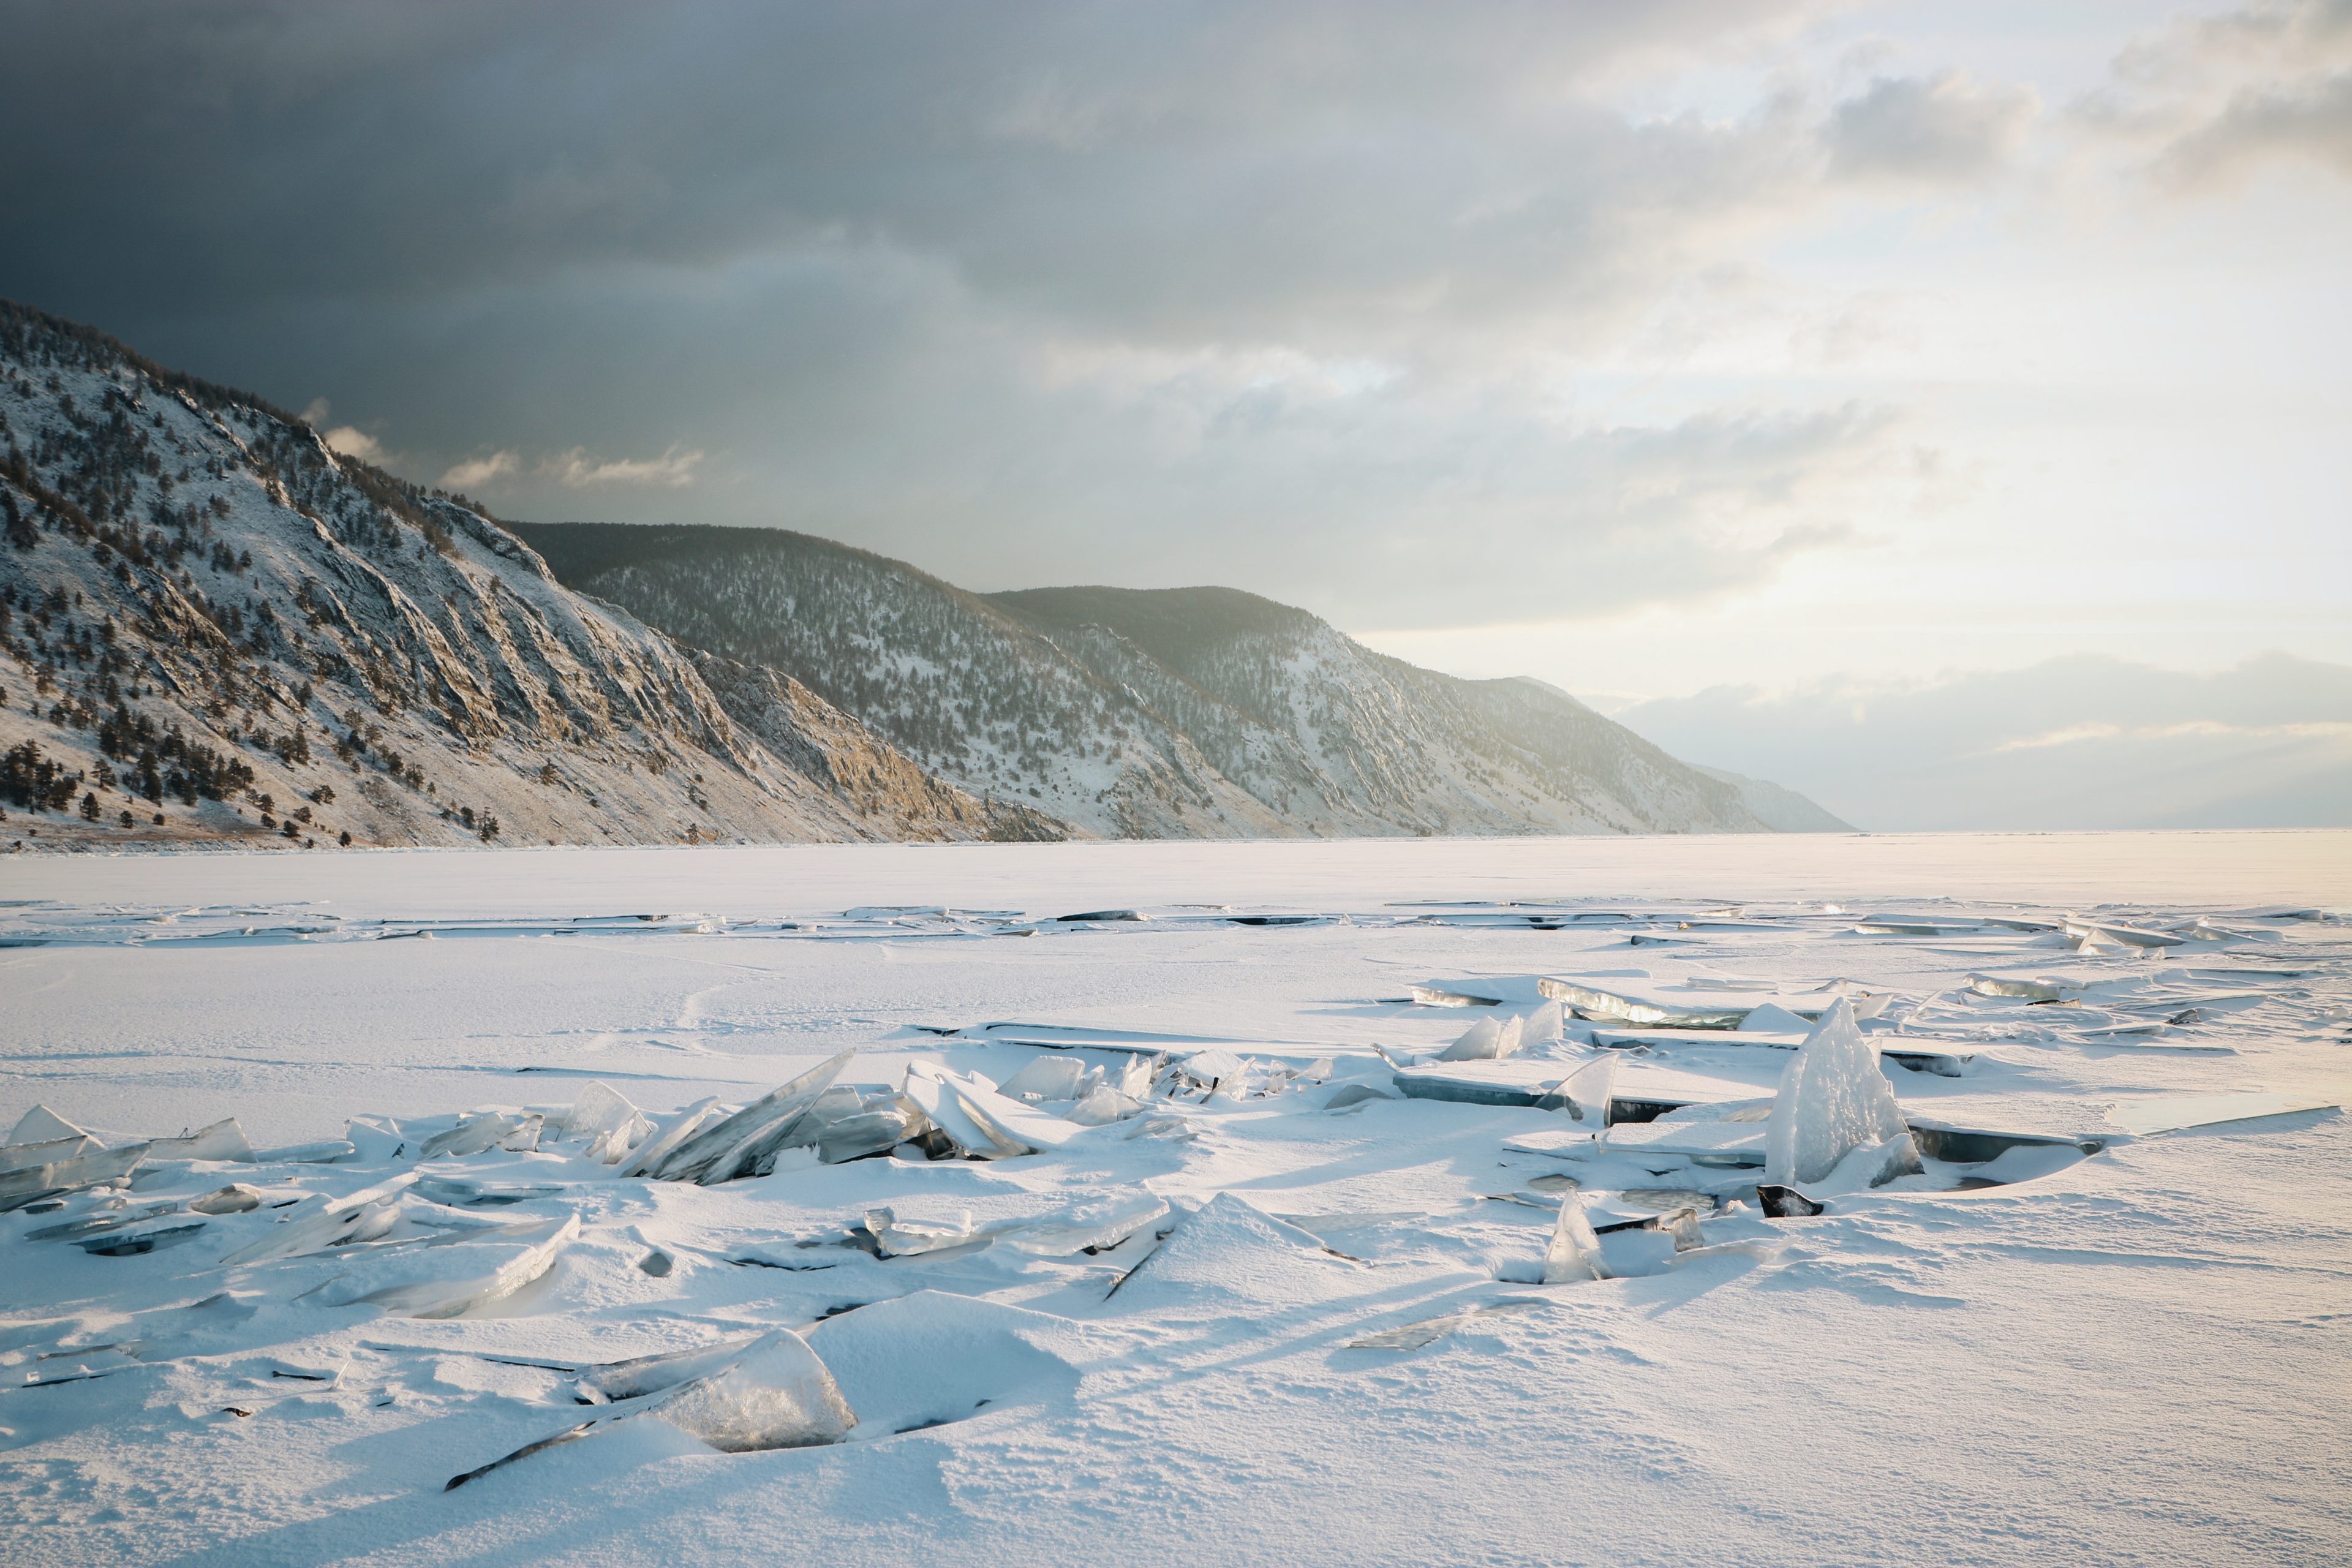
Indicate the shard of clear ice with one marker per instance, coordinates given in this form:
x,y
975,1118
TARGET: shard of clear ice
x,y
1104,1106
1833,1099
909,1237
224,1139
472,1135
772,1394
1575,1251
747,1142
1488,1039
609,1121
669,1135
1092,1222
449,1281
1049,1078
1584,1093
41,1125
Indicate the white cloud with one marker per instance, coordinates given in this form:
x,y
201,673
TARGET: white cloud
x,y
474,473
354,442
576,470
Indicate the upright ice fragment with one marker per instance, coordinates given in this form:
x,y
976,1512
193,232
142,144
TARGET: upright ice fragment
x,y
747,1144
1584,1093
224,1139
41,1125
1575,1251
1833,1099
472,1135
668,1135
1049,1078
609,1121
1488,1039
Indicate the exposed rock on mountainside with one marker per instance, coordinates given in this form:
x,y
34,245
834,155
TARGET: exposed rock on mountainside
x,y
820,741
220,630
1134,712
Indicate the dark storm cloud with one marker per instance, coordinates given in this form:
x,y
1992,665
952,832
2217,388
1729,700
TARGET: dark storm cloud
x,y
1274,294
1179,160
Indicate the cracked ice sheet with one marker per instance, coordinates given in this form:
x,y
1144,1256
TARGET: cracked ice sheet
x,y
2107,1331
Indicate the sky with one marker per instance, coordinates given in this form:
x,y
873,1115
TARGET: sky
x,y
1785,355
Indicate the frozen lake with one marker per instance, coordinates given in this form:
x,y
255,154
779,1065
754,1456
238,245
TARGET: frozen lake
x,y
1325,1332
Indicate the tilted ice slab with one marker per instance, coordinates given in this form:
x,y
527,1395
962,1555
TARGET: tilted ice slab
x,y
1833,1101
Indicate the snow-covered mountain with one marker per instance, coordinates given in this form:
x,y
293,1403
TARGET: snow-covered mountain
x,y
1146,713
218,628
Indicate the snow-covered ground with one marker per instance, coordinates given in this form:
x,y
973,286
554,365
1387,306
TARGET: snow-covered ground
x,y
1306,1333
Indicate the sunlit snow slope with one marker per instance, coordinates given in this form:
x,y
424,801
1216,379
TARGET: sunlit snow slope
x,y
216,628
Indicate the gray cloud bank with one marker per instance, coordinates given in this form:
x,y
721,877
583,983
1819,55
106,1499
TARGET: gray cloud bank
x,y
1280,294
2071,743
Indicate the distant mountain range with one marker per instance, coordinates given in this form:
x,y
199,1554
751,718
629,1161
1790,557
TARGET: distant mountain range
x,y
1154,713
213,627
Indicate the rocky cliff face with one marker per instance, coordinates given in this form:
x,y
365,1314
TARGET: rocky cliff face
x,y
1145,713
214,627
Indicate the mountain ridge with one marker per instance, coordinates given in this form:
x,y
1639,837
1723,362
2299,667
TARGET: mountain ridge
x,y
1145,712
224,631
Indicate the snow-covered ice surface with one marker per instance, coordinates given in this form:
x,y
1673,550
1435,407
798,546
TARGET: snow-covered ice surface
x,y
1272,1281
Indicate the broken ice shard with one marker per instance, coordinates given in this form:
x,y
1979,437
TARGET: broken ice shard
x,y
42,1125
1584,1093
1104,1106
133,1243
236,1198
474,1134
319,1220
1575,1251
32,1183
224,1139
1050,1077
845,1124
975,1135
448,1281
747,1144
612,1125
668,1135
911,1237
2177,1112
1089,1226
1488,1039
47,1151
775,1395
325,1152
1833,1099
772,1394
